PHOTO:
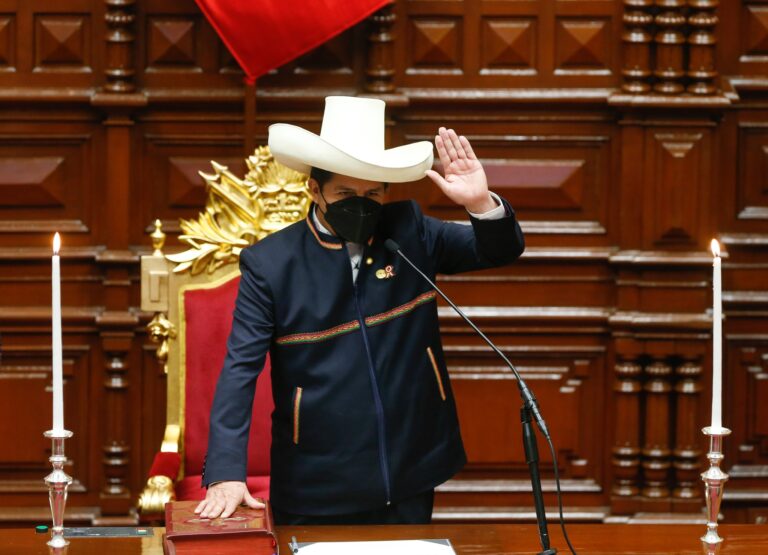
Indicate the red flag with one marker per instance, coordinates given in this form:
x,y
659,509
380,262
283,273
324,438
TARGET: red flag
x,y
265,34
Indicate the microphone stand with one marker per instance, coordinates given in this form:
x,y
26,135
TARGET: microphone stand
x,y
529,412
532,458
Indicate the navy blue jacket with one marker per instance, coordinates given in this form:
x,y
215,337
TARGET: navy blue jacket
x,y
364,412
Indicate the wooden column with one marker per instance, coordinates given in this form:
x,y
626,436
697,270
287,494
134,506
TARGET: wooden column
x,y
637,39
702,21
670,46
117,323
626,443
119,46
380,70
116,495
687,493
656,445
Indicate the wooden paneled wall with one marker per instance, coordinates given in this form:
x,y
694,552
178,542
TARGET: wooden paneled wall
x,y
626,135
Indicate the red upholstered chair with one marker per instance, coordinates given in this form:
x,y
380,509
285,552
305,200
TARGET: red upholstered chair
x,y
192,294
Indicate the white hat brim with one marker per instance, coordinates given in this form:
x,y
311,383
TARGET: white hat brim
x,y
302,150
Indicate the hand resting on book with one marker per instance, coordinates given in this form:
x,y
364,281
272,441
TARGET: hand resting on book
x,y
223,498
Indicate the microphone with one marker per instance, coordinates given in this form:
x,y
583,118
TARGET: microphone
x,y
530,409
527,395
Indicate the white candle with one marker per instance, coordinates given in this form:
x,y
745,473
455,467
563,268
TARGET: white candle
x,y
58,379
717,338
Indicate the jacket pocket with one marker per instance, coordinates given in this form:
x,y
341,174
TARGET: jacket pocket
x,y
296,413
437,372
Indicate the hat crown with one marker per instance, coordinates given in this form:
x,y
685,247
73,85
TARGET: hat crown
x,y
354,125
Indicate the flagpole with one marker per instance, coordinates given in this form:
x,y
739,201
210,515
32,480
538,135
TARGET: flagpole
x,y
250,115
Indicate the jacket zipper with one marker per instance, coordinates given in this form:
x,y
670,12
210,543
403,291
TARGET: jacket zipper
x,y
376,399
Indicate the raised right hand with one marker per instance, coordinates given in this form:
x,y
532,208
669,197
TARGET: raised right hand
x,y
223,498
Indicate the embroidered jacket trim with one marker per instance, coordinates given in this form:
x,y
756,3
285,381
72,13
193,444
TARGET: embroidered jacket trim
x,y
326,244
315,337
400,310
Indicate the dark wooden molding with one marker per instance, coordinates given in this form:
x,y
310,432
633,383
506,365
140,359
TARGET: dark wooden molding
x,y
459,485
43,226
516,514
42,314
662,258
641,320
35,486
673,102
44,253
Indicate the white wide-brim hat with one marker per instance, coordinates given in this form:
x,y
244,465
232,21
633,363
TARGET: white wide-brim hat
x,y
351,143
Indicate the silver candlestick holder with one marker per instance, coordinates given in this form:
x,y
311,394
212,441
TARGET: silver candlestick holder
x,y
58,481
714,482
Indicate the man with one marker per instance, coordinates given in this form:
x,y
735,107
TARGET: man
x,y
365,422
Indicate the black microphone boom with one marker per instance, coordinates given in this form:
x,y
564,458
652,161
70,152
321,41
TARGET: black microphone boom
x,y
530,409
525,392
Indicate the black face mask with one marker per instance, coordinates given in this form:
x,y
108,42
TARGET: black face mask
x,y
354,219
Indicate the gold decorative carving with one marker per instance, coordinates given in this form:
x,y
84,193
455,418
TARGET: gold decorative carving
x,y
157,492
239,212
161,330
171,439
158,239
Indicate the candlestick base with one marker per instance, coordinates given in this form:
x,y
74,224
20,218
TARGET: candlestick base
x,y
714,482
57,481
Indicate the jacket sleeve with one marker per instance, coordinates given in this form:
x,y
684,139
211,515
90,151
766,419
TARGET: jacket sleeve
x,y
247,348
456,248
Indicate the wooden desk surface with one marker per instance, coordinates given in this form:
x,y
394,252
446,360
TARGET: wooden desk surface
x,y
483,539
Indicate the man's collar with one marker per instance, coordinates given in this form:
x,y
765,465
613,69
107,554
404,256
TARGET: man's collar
x,y
320,232
318,224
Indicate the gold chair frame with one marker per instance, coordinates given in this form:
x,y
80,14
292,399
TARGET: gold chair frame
x,y
238,212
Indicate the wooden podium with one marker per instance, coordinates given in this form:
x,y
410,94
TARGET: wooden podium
x,y
481,539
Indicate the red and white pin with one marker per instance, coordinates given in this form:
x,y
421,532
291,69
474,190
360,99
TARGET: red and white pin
x,y
386,272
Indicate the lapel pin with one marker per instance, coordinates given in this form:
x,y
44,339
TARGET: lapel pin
x,y
386,272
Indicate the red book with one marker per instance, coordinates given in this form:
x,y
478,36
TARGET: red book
x,y
247,531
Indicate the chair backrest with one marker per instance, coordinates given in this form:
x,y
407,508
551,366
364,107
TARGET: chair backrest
x,y
205,324
193,294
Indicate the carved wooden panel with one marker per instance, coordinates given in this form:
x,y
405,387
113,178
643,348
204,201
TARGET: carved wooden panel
x,y
62,42
550,177
749,385
180,48
171,184
496,44
7,42
29,182
25,374
755,38
566,380
46,182
509,46
752,185
583,46
435,45
676,184
745,51
172,44
335,56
